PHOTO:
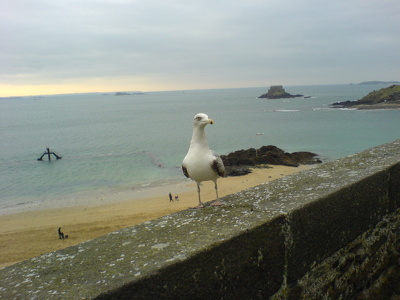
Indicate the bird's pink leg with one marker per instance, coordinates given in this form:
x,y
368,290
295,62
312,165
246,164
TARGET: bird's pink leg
x,y
217,202
201,205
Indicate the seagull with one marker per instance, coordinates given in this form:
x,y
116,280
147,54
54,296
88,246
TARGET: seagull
x,y
200,163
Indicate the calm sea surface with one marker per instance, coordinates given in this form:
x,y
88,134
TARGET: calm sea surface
x,y
116,143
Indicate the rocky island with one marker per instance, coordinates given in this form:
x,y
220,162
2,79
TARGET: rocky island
x,y
386,98
239,162
127,94
278,92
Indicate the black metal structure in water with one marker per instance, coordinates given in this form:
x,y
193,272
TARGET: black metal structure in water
x,y
48,153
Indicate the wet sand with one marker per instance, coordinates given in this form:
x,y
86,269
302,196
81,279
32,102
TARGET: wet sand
x,y
29,234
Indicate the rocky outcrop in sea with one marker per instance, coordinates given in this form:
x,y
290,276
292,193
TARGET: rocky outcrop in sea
x,y
278,92
239,162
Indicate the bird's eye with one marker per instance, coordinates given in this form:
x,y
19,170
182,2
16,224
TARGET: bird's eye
x,y
198,118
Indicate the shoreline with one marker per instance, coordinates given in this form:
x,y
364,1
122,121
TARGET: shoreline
x,y
380,106
96,197
25,235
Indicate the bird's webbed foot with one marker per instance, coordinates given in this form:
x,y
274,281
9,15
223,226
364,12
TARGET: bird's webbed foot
x,y
217,203
201,205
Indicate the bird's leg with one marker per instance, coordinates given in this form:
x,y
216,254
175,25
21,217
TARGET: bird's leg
x,y
201,205
217,202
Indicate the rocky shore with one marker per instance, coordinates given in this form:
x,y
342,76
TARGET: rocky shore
x,y
386,98
239,162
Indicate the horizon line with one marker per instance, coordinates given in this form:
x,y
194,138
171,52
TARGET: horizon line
x,y
174,90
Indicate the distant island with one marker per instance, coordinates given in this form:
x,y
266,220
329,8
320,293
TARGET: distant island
x,y
386,98
377,82
10,98
127,94
277,92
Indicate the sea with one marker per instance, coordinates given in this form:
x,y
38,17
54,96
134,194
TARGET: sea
x,y
113,145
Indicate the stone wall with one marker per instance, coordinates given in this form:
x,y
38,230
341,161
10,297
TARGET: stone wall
x,y
366,268
328,232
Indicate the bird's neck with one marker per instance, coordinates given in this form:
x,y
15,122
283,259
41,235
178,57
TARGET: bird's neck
x,y
199,138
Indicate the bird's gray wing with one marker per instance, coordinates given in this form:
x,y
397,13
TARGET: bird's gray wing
x,y
185,171
218,165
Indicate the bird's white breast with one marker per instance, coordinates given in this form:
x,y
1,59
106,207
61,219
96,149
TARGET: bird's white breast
x,y
198,165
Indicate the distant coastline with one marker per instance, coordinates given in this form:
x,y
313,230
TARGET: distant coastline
x,y
376,82
385,98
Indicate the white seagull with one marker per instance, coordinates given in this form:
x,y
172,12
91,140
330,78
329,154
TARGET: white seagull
x,y
201,163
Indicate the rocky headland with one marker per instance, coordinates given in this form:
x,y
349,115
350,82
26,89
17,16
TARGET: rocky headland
x,y
239,162
278,92
386,98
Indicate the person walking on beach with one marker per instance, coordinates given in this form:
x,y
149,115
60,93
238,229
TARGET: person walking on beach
x,y
170,197
60,234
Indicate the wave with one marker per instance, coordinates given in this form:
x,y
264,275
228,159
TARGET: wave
x,y
321,108
343,108
286,110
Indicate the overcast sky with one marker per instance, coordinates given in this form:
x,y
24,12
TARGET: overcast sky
x,y
59,46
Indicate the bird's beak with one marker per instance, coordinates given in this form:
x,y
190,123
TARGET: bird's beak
x,y
210,121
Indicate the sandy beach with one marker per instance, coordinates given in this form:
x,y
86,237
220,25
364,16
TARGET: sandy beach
x,y
30,234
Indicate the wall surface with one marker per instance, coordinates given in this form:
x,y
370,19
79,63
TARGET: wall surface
x,y
366,268
267,241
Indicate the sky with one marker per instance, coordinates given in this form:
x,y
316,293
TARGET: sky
x,y
53,47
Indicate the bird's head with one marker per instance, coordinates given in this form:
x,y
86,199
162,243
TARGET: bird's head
x,y
202,120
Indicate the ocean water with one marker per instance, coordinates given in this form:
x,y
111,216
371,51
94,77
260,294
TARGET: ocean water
x,y
111,144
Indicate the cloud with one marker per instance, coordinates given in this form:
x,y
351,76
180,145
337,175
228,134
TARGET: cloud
x,y
199,43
